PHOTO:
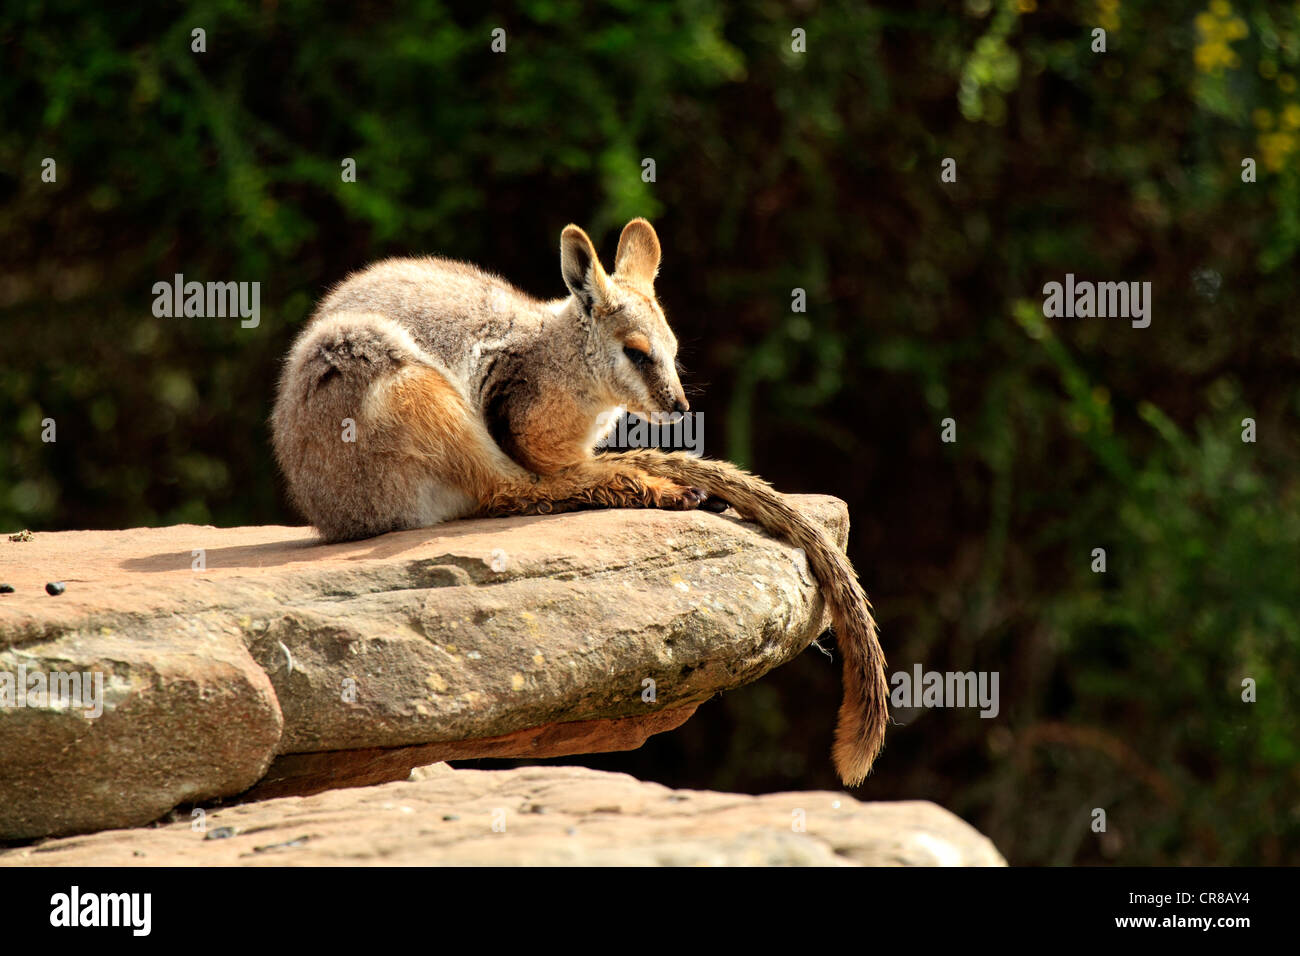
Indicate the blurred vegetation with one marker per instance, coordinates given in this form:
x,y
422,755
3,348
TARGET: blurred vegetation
x,y
775,170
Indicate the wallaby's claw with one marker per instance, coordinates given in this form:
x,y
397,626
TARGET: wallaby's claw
x,y
683,498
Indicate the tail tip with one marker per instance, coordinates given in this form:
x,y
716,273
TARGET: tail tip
x,y
859,739
852,772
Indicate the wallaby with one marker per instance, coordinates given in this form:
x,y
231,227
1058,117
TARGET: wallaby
x,y
424,390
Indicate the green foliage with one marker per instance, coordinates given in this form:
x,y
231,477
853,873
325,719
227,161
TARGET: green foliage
x,y
775,170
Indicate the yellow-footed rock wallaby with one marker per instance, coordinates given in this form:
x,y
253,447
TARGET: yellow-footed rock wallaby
x,y
468,398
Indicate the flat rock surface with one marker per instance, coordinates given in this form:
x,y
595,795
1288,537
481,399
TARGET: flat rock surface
x,y
536,816
227,654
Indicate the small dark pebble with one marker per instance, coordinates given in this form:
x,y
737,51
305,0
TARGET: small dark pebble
x,y
6,589
220,833
450,816
55,588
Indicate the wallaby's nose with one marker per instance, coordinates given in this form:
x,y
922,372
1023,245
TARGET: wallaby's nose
x,y
681,405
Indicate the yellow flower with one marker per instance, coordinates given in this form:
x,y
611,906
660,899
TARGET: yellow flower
x,y
1218,28
1263,118
1212,57
1291,116
1026,6
1276,147
1286,82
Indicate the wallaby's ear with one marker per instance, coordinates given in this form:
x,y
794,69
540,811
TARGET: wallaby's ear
x,y
582,271
638,253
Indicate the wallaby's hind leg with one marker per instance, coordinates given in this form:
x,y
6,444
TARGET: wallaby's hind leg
x,y
355,466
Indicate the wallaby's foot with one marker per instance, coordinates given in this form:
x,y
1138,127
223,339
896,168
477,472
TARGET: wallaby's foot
x,y
591,485
671,496
715,504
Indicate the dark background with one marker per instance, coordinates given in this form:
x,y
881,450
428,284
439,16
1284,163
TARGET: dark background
x,y
775,170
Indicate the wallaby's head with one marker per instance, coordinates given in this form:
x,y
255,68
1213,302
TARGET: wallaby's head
x,y
630,347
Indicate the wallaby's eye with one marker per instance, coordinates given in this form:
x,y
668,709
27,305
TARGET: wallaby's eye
x,y
638,358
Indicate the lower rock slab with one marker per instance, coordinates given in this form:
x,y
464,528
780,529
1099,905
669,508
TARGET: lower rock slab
x,y
536,816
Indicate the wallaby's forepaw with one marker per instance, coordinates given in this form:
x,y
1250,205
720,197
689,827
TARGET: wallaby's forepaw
x,y
674,497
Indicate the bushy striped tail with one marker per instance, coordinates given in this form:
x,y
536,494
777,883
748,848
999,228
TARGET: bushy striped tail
x,y
864,710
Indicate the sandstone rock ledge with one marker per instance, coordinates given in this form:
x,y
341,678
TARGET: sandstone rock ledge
x,y
536,816
255,657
